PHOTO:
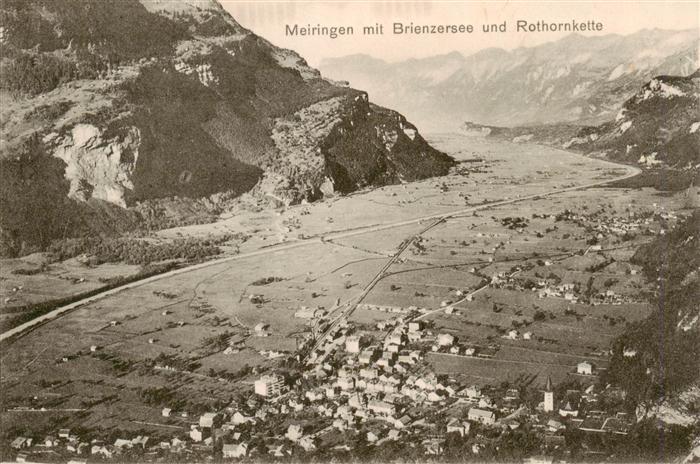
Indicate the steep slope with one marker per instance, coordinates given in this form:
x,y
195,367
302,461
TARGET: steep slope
x,y
134,100
662,365
658,129
577,78
658,125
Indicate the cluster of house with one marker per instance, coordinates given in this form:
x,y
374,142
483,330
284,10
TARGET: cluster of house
x,y
366,389
569,292
543,287
65,442
515,334
609,297
420,407
589,419
566,291
616,225
310,313
370,397
620,226
372,382
387,308
382,385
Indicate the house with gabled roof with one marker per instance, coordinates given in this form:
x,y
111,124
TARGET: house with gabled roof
x,y
234,450
481,415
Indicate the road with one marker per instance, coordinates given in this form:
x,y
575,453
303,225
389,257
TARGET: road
x,y
513,274
36,322
377,277
465,298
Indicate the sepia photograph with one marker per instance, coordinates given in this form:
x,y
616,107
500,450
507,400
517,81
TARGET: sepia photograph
x,y
349,231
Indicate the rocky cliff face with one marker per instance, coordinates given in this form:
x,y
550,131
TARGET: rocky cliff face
x,y
146,99
575,79
95,167
317,150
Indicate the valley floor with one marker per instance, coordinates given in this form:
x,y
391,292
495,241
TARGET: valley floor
x,y
530,230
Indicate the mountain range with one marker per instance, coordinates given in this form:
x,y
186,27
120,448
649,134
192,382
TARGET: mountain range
x,y
109,106
577,79
658,127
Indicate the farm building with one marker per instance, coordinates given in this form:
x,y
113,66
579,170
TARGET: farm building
x,y
481,415
584,368
261,329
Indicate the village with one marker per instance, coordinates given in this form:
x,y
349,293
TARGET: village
x,y
485,337
375,386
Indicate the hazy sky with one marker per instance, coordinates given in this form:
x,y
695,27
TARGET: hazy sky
x,y
268,19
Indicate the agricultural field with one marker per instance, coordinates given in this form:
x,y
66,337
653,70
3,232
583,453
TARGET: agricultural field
x,y
74,269
200,338
488,172
33,279
460,255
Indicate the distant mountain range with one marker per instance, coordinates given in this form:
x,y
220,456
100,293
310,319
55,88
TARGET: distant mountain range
x,y
109,105
657,127
576,79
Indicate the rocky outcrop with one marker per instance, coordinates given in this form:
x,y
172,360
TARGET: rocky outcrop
x,y
679,410
657,126
298,170
176,99
317,150
36,208
97,167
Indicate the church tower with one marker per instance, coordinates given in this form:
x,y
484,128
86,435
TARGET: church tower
x,y
549,396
